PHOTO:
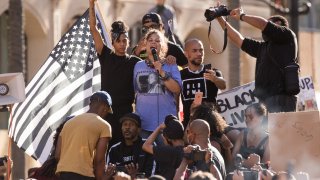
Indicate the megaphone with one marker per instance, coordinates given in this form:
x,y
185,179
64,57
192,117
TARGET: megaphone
x,y
12,88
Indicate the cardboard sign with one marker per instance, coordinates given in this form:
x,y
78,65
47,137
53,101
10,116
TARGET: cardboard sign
x,y
295,138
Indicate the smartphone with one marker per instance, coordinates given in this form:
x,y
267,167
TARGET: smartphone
x,y
207,66
5,159
198,98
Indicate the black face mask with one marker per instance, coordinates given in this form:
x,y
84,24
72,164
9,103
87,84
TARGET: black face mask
x,y
265,37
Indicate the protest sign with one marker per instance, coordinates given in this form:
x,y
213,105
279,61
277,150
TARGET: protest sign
x,y
306,97
294,138
232,104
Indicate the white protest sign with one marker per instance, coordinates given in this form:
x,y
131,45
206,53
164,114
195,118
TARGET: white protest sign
x,y
307,97
232,103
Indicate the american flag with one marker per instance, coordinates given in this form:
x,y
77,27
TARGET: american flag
x,y
62,87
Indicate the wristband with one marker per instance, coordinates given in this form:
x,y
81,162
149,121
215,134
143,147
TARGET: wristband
x,y
241,16
165,77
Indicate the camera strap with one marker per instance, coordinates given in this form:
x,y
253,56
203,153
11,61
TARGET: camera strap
x,y
225,41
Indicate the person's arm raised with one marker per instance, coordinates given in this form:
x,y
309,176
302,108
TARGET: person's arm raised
x,y
233,34
92,22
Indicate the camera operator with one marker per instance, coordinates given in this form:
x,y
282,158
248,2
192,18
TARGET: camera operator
x,y
203,155
278,49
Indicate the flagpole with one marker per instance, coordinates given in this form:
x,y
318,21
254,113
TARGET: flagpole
x,y
97,8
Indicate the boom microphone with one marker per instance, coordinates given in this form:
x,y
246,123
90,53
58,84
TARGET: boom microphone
x,y
154,54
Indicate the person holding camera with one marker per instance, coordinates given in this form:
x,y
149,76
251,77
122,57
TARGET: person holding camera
x,y
276,54
127,154
198,77
201,155
168,156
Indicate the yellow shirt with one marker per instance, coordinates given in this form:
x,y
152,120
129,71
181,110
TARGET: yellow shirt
x,y
79,139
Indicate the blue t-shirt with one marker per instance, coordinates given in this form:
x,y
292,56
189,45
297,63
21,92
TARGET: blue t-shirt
x,y
153,100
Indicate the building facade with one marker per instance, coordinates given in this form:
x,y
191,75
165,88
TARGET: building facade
x,y
47,20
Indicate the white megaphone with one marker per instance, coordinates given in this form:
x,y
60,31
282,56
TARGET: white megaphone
x,y
12,88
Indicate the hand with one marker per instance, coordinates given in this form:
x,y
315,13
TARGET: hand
x,y
252,160
210,75
266,175
92,2
238,175
235,13
121,176
140,47
188,149
111,170
158,67
208,156
171,59
132,169
162,126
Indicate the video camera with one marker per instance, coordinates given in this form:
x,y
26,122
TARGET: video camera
x,y
196,154
214,12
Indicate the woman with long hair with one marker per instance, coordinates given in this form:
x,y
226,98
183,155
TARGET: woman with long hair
x,y
154,106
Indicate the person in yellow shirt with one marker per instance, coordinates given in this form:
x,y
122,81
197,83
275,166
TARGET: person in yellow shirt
x,y
83,142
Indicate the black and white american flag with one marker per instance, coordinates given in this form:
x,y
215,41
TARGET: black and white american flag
x,y
62,87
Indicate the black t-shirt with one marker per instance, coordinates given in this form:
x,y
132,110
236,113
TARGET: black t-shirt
x,y
168,159
173,50
117,76
281,46
193,82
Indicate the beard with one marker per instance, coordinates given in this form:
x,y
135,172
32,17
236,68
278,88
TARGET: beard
x,y
195,62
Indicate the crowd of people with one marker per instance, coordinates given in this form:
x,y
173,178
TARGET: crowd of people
x,y
113,140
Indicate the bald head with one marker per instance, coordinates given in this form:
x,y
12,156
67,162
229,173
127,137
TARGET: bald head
x,y
200,127
194,52
191,42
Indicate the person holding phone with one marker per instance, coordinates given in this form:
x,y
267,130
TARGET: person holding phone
x,y
198,77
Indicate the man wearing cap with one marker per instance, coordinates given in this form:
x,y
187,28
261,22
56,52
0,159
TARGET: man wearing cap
x,y
83,141
153,21
169,156
128,154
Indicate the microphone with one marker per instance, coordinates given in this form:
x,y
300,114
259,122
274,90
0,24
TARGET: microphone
x,y
154,54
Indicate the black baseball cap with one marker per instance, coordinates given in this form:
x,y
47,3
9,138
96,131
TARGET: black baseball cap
x,y
152,17
132,117
174,128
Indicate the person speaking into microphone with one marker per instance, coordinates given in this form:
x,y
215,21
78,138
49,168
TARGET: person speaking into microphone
x,y
155,83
